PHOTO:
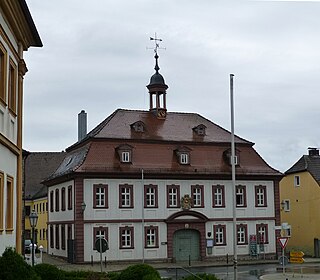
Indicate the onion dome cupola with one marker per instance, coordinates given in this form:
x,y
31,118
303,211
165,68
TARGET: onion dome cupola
x,y
157,91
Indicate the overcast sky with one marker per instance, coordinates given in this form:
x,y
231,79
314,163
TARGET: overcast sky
x,y
95,57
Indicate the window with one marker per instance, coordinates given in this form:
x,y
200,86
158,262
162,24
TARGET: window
x,y
3,67
63,237
261,196
51,237
63,199
125,157
125,153
138,126
297,181
228,157
12,87
151,237
285,204
173,196
57,200
184,158
100,194
200,129
99,232
9,206
126,196
27,210
69,232
51,201
262,233
151,196
241,196
1,199
70,198
218,196
242,237
126,238
197,196
219,235
57,237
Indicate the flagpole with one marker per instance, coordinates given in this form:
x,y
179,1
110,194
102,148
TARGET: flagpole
x,y
233,171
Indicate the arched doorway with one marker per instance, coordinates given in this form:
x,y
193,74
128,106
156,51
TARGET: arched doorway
x,y
186,245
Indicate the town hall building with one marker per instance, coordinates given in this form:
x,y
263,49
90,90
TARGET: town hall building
x,y
157,186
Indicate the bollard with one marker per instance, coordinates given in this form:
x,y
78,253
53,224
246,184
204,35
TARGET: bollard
x,y
189,260
91,260
227,258
105,261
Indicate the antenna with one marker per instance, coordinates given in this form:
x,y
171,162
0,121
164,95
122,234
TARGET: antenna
x,y
157,42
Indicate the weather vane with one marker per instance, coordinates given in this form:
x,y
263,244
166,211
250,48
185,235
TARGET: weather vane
x,y
157,43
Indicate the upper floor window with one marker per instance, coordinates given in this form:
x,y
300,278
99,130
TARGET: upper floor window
x,y
124,153
151,196
9,204
261,196
57,200
126,196
242,234
63,199
100,196
285,204
241,197
173,196
200,129
3,67
151,237
197,196
69,197
126,238
51,201
297,181
1,199
12,92
183,155
219,235
218,198
228,157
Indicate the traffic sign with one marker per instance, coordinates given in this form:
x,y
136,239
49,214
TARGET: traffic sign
x,y
283,241
296,260
296,254
104,245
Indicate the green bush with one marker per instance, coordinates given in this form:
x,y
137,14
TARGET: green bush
x,y
13,267
203,276
113,275
49,272
138,272
87,275
151,277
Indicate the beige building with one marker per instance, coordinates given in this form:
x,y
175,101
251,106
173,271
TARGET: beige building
x,y
17,34
300,200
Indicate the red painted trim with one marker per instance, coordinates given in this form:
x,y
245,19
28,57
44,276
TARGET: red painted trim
x,y
131,232
245,227
130,187
193,189
156,237
177,188
214,189
215,228
264,190
244,188
95,230
150,186
105,187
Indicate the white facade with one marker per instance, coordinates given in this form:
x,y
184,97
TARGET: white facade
x,y
113,218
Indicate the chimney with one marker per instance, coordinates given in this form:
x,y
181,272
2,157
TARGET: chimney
x,y
82,125
313,151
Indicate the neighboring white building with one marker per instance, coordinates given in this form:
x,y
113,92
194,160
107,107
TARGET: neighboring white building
x,y
157,185
17,34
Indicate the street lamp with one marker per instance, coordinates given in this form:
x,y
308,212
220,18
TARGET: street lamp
x,y
33,222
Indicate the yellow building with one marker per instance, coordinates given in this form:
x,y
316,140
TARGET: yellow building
x,y
300,200
37,167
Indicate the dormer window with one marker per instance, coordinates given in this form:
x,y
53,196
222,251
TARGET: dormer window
x,y
138,126
200,129
183,155
125,153
228,159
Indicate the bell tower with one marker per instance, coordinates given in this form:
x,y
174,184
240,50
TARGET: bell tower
x,y
157,88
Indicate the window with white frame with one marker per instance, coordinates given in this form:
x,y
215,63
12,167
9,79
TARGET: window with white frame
x,y
261,196
218,196
99,232
100,192
297,181
151,196
151,237
184,158
197,195
241,196
125,156
126,237
242,234
173,195
219,235
286,205
262,233
125,196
